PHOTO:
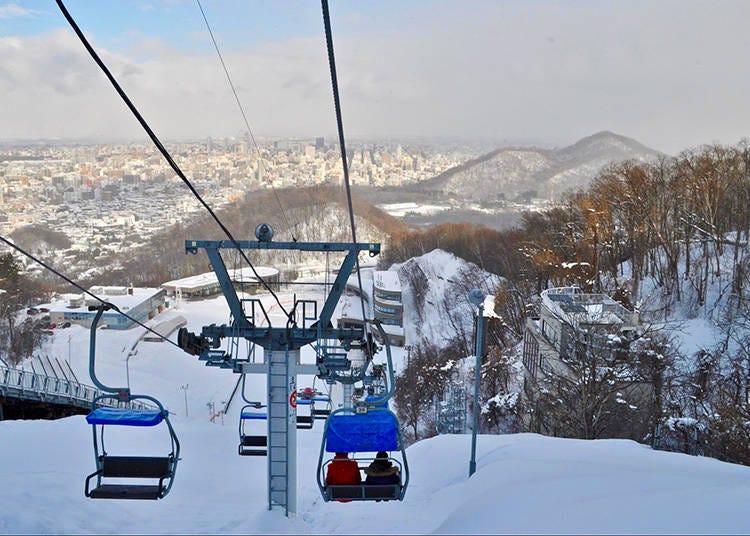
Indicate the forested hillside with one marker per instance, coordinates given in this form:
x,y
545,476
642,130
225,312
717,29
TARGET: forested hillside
x,y
317,213
668,238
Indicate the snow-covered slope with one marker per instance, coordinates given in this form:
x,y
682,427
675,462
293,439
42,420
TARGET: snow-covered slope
x,y
524,484
435,289
699,316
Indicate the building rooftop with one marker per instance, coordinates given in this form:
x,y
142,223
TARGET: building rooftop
x,y
387,280
242,275
577,307
118,296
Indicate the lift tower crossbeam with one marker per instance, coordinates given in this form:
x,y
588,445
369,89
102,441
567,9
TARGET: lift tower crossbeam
x,y
281,356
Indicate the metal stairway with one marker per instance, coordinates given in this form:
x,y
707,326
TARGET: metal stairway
x,y
282,431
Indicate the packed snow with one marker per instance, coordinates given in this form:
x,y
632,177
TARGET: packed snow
x,y
525,483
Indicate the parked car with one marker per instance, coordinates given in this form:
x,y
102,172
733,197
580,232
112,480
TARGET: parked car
x,y
65,325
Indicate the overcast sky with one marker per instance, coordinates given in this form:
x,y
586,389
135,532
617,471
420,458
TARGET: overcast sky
x,y
672,74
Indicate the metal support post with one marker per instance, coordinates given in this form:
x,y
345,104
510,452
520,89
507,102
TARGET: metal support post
x,y
476,297
184,388
282,429
348,393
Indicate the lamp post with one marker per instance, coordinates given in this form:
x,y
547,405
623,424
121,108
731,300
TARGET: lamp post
x,y
131,353
185,389
476,297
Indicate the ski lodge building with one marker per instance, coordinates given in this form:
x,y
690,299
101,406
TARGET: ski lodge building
x,y
206,284
140,303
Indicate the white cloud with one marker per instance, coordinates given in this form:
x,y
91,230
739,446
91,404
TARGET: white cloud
x,y
669,74
9,11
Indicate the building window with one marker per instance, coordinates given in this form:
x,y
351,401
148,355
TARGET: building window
x,y
390,296
387,310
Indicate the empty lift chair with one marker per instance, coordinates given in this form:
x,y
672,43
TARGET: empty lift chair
x,y
158,472
257,444
305,398
322,405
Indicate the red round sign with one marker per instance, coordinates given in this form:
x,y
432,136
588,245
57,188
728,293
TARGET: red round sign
x,y
293,399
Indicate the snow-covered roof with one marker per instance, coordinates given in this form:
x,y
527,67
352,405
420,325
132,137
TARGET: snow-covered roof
x,y
577,307
242,275
122,301
387,280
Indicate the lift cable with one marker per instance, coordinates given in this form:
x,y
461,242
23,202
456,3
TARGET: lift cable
x,y
161,147
342,144
247,123
79,287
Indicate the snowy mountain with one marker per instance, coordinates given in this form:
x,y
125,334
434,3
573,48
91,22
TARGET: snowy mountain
x,y
512,171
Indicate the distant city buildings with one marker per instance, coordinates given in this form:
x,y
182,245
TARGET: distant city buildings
x,y
112,197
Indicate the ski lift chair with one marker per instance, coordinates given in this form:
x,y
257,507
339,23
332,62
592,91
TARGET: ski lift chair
x,y
322,405
322,413
159,471
360,431
252,445
305,422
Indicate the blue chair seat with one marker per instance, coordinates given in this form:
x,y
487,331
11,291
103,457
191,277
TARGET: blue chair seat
x,y
249,415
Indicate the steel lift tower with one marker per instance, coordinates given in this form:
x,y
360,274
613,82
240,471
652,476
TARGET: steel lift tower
x,y
281,345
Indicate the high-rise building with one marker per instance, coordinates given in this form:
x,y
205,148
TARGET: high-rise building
x,y
320,143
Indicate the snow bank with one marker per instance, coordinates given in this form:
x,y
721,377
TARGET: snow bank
x,y
524,484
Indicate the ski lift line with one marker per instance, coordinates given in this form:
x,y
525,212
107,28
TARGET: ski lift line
x,y
244,118
79,287
157,142
342,142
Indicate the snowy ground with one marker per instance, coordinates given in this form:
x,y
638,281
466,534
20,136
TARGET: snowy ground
x,y
524,484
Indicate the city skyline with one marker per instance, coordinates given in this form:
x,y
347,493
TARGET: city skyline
x,y
664,72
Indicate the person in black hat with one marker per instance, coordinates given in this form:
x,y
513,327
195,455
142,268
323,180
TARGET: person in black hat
x,y
381,471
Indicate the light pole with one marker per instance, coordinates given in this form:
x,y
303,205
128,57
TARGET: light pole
x,y
476,297
69,336
131,353
185,389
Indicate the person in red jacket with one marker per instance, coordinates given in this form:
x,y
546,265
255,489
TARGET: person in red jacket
x,y
343,471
